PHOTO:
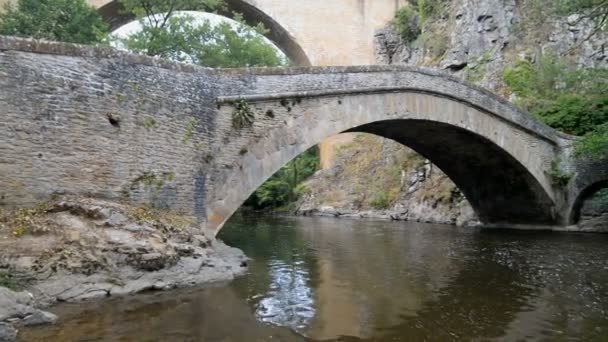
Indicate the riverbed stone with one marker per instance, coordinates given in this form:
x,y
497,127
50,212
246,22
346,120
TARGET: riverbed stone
x,y
8,333
116,219
39,317
15,304
84,258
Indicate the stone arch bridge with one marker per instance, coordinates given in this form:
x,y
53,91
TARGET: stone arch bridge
x,y
94,121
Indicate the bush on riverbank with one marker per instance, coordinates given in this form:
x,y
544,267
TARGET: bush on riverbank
x,y
284,188
9,281
566,97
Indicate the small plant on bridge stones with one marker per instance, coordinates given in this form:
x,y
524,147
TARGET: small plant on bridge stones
x,y
149,123
243,115
150,180
558,177
120,98
189,132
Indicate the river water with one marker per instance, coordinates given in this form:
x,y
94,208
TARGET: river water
x,y
330,279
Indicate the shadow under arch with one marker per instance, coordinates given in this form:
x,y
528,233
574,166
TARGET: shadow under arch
x,y
498,187
113,14
575,214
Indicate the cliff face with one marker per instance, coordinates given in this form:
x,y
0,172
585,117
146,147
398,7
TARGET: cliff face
x,y
472,39
477,39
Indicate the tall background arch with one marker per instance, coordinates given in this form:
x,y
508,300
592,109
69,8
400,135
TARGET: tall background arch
x,y
113,13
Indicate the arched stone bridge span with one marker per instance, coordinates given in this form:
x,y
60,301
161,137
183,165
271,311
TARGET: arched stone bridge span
x,y
92,121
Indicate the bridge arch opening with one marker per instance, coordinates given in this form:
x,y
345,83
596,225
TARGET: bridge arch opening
x,y
498,187
114,14
591,202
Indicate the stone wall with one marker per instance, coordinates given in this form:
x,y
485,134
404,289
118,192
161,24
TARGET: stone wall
x,y
101,123
312,32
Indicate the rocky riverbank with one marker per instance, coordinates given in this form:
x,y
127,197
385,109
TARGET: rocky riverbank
x,y
77,249
381,179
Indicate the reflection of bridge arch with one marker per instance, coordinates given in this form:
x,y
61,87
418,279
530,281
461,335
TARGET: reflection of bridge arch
x,y
113,13
76,108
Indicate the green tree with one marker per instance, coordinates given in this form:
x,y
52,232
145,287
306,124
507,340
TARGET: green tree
x,y
283,188
407,23
183,38
568,98
410,19
595,143
72,21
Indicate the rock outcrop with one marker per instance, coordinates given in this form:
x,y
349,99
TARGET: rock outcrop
x,y
77,249
477,39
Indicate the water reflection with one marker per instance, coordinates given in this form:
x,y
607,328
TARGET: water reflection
x,y
211,314
391,280
288,300
330,279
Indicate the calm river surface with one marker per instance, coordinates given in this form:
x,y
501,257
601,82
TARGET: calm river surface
x,y
330,279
